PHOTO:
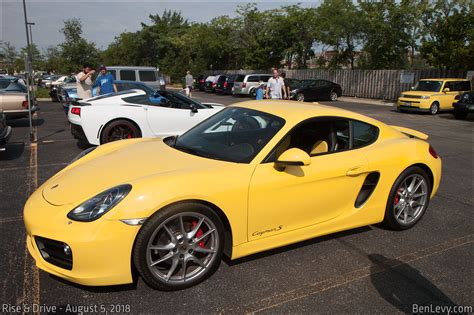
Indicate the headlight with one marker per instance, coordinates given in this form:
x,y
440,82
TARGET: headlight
x,y
97,206
425,97
82,154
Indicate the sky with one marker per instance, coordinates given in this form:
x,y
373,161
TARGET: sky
x,y
102,20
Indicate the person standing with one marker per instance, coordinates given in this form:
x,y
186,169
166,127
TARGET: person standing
x,y
276,87
287,86
260,91
84,82
105,82
189,82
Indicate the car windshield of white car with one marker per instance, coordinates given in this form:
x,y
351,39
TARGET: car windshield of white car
x,y
112,94
234,134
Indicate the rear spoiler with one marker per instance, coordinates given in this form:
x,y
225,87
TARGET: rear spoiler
x,y
411,133
77,103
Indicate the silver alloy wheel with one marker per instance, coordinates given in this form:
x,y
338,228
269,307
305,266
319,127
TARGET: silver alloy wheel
x,y
434,109
411,199
300,97
333,96
182,247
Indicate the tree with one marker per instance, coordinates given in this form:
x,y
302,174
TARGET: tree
x,y
53,61
36,56
448,41
75,50
8,56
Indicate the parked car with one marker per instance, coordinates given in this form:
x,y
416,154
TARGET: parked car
x,y
199,82
312,90
56,86
253,177
14,99
245,84
432,95
228,84
48,79
134,114
464,106
5,131
210,85
148,75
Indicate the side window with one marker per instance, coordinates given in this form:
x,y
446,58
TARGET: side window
x,y
253,78
113,73
363,134
466,86
147,75
128,75
461,86
449,85
342,135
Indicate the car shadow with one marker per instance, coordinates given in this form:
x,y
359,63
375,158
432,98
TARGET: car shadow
x,y
51,134
24,122
404,286
99,289
83,144
13,151
470,117
291,247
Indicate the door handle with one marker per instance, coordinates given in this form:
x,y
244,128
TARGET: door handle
x,y
357,170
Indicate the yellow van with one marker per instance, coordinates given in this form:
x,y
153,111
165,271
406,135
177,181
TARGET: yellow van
x,y
432,95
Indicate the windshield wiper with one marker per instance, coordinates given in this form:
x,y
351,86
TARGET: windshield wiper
x,y
192,151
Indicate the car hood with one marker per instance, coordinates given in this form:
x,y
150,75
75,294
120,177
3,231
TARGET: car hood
x,y
418,93
111,166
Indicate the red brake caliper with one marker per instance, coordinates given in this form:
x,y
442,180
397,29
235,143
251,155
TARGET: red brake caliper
x,y
198,234
397,197
129,136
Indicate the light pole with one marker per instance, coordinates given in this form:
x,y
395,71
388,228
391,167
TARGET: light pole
x,y
28,70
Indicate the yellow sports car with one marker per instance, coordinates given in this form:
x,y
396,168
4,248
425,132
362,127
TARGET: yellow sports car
x,y
255,176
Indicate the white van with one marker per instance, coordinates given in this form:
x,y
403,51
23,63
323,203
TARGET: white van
x,y
147,75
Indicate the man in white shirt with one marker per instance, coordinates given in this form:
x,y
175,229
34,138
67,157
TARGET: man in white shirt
x,y
276,87
84,82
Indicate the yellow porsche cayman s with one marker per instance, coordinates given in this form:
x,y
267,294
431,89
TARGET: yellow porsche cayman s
x,y
255,176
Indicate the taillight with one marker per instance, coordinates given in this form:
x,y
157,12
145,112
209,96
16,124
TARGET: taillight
x,y
225,84
25,104
244,84
433,152
76,111
213,84
457,97
202,81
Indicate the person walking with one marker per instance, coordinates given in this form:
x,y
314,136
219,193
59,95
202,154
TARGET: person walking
x,y
189,83
84,82
276,87
260,91
105,82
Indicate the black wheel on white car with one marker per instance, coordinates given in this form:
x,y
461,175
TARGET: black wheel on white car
x,y
408,199
119,130
179,246
434,108
253,93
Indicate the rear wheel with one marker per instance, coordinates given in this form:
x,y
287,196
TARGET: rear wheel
x,y
253,93
179,246
434,108
408,199
300,97
333,96
118,130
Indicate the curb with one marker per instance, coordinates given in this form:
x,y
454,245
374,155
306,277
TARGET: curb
x,y
366,101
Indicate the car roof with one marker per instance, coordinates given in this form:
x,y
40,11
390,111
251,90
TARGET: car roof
x,y
445,79
294,112
129,68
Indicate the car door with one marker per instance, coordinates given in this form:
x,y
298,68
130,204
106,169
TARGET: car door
x,y
176,116
301,196
446,99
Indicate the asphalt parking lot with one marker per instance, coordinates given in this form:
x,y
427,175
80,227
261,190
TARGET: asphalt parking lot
x,y
366,270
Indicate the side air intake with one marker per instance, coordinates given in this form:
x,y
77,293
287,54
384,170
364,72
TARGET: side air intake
x,y
367,189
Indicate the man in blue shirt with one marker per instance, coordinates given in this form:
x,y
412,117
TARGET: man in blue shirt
x,y
105,82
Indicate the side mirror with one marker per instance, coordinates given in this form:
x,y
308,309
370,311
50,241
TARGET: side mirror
x,y
193,108
412,88
446,90
293,157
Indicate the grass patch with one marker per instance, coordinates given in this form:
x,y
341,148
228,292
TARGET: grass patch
x,y
42,93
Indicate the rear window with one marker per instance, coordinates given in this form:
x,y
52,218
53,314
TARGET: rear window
x,y
147,75
128,75
240,78
4,84
363,134
222,78
459,86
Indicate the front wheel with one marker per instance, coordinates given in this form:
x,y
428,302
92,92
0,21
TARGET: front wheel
x,y
408,199
434,108
118,130
179,246
300,97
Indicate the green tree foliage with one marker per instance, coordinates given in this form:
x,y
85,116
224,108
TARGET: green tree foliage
x,y
75,50
448,42
8,56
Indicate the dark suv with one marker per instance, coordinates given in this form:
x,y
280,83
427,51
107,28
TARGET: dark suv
x,y
464,106
224,85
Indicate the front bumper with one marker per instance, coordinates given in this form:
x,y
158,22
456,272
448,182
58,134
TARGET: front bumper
x,y
411,104
101,250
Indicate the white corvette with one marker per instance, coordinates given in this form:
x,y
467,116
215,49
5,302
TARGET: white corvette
x,y
134,113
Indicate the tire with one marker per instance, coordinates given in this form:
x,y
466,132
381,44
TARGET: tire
x,y
434,108
161,265
401,110
118,130
401,199
460,115
300,97
333,96
253,93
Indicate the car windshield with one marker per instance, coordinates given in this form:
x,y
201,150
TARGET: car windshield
x,y
428,86
234,134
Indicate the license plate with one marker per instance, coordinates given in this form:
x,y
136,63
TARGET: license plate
x,y
407,103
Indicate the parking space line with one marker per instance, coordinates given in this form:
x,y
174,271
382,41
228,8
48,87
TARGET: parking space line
x,y
31,285
11,219
39,166
321,286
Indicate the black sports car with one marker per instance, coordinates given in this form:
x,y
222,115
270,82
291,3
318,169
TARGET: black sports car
x,y
311,90
464,106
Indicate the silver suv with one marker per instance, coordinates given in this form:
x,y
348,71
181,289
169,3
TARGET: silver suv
x,y
245,84
147,75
